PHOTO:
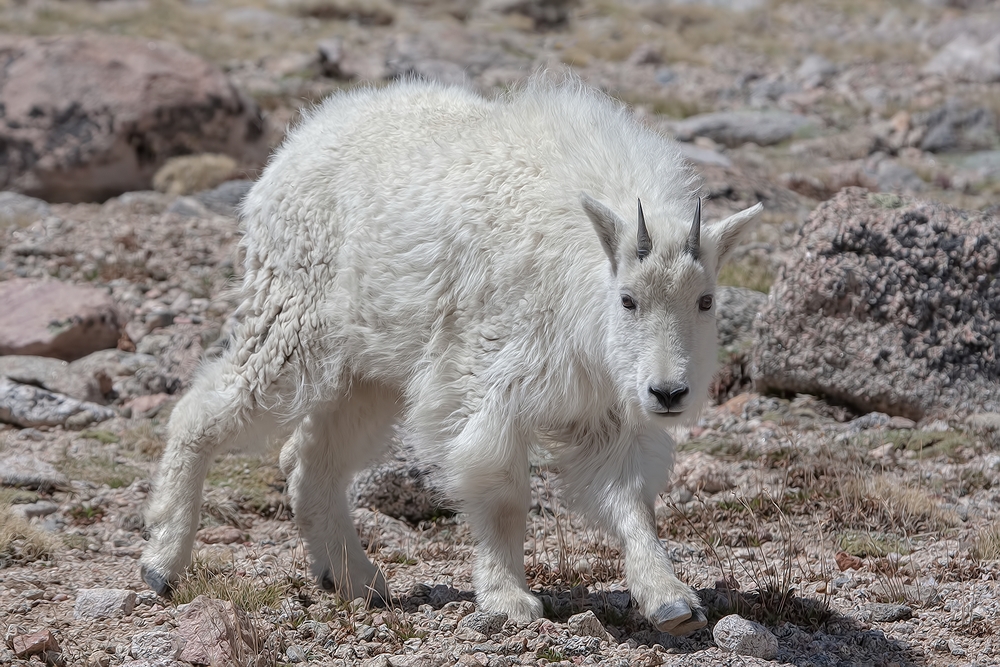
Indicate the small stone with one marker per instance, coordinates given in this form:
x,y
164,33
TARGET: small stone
x,y
296,654
93,603
888,613
587,625
33,594
155,645
36,643
584,645
738,635
846,561
955,648
37,509
220,535
483,622
99,659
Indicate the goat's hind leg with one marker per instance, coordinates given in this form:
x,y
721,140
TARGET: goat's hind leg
x,y
207,420
331,444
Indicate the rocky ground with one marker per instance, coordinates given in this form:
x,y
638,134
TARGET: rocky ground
x,y
853,536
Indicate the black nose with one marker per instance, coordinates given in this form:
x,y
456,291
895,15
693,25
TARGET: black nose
x,y
669,395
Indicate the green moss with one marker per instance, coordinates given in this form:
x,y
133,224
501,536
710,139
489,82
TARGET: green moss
x,y
871,544
107,437
750,272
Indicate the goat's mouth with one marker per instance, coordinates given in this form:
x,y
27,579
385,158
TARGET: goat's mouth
x,y
669,414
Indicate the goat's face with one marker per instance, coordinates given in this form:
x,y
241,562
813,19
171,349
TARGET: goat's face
x,y
661,307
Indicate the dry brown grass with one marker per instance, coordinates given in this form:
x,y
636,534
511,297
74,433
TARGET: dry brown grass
x,y
987,545
365,12
20,542
888,503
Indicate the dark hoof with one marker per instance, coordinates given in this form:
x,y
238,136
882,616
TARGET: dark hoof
x,y
160,583
326,582
678,619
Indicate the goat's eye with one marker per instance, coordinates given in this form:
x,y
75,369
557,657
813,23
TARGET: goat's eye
x,y
705,302
628,302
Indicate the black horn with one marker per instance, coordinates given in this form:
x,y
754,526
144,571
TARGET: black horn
x,y
644,245
693,246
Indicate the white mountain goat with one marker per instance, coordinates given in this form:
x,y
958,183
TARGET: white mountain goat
x,y
481,271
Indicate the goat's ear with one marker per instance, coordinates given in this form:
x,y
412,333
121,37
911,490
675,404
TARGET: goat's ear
x,y
729,233
607,224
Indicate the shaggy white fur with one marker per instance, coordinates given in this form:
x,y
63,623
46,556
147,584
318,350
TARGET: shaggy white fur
x,y
470,268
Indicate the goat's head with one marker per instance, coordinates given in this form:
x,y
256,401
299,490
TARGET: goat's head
x,y
661,302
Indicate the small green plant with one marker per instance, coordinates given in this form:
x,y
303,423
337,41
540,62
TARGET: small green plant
x,y
550,654
107,437
750,272
871,544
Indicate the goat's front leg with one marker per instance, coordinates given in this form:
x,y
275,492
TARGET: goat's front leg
x,y
615,484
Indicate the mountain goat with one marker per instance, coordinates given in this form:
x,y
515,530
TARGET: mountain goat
x,y
493,274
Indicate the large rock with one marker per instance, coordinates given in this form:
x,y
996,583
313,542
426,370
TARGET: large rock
x,y
31,472
734,128
89,117
47,318
966,58
52,374
26,405
888,307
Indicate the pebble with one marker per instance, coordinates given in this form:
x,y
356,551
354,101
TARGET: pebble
x,y
483,622
888,613
156,644
736,634
93,603
587,625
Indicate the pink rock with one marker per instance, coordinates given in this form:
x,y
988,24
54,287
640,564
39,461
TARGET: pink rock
x,y
47,318
90,117
212,630
220,535
147,406
34,644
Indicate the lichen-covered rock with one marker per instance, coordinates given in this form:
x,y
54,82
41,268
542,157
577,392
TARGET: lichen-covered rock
x,y
887,306
94,603
400,488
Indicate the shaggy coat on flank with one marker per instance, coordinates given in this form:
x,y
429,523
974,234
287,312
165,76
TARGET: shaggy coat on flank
x,y
492,274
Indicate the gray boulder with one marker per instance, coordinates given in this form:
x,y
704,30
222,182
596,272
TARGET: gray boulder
x,y
966,58
400,488
954,127
19,210
887,305
737,308
31,472
52,374
734,128
26,405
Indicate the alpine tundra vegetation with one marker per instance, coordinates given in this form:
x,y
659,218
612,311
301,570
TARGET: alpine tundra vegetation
x,y
492,275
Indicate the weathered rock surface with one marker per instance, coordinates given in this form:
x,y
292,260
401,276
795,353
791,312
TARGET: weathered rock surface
x,y
400,488
212,630
738,635
47,318
52,374
734,128
26,405
87,118
225,198
155,645
966,58
587,625
30,472
95,603
887,309
483,622
19,210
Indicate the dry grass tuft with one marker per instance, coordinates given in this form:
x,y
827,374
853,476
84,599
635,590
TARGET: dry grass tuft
x,y
215,575
888,503
987,546
20,542
144,440
187,174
